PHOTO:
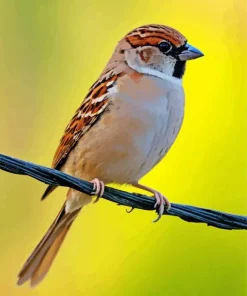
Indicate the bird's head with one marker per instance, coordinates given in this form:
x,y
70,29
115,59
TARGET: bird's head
x,y
157,50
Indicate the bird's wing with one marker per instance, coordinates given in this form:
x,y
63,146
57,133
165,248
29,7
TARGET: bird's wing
x,y
85,117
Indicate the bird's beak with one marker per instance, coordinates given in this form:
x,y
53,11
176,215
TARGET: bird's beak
x,y
190,53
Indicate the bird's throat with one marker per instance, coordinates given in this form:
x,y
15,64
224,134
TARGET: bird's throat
x,y
179,69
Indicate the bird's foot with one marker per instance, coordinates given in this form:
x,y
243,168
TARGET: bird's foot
x,y
162,202
98,187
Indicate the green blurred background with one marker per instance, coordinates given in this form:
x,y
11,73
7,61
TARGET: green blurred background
x,y
50,54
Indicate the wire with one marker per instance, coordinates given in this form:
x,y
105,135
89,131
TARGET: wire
x,y
133,200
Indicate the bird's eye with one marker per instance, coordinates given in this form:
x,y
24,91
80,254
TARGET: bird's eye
x,y
164,46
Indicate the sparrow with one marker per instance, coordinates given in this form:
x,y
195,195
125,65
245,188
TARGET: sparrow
x,y
126,124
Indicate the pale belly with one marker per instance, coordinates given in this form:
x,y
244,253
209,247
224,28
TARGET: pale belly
x,y
129,140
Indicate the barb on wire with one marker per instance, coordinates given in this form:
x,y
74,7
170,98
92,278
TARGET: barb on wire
x,y
139,201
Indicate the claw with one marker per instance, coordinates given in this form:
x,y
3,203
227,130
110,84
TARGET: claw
x,y
129,211
99,188
161,201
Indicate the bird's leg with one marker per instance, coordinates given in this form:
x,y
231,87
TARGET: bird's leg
x,y
98,187
161,200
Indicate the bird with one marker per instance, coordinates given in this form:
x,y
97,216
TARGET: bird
x,y
124,127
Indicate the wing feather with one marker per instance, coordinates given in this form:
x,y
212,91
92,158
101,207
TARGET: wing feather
x,y
86,115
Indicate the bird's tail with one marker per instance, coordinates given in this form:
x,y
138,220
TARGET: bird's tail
x,y
39,262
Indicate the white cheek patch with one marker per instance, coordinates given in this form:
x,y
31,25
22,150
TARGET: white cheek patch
x,y
168,65
163,70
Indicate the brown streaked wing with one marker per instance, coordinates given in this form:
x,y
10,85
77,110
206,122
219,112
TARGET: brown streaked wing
x,y
86,115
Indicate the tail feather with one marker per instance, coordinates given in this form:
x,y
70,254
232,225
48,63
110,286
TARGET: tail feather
x,y
46,262
39,262
48,190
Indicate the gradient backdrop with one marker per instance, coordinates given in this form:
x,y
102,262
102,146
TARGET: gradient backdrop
x,y
50,54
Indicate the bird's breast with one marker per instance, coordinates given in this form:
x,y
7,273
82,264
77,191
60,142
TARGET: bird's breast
x,y
145,127
133,135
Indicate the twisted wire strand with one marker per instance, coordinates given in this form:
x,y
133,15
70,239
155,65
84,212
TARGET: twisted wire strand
x,y
133,200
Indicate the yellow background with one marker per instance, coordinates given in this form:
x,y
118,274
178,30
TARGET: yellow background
x,y
50,54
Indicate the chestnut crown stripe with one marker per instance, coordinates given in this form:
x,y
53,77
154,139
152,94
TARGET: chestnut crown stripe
x,y
85,117
152,35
